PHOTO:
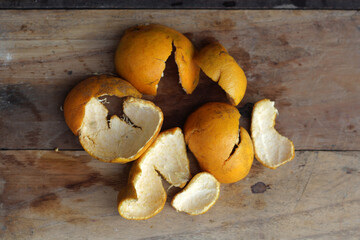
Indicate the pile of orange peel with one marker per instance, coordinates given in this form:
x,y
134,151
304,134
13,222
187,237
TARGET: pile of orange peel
x,y
223,149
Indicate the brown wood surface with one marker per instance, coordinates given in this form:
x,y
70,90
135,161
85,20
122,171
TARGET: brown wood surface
x,y
69,195
307,61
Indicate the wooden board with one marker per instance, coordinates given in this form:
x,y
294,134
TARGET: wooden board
x,y
69,195
308,62
180,4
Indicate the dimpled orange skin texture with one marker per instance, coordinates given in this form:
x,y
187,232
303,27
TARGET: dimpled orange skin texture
x,y
142,52
222,68
96,86
211,133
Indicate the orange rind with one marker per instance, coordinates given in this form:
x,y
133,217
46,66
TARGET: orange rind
x,y
142,52
120,139
198,196
222,148
271,149
144,196
222,68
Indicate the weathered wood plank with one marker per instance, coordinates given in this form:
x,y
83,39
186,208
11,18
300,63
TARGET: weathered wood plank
x,y
69,195
308,62
181,4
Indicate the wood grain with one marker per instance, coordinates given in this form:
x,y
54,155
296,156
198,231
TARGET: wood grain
x,y
307,61
69,195
180,4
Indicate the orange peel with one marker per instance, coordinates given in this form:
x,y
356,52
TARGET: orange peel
x,y
142,52
144,196
271,149
222,68
198,196
212,134
120,139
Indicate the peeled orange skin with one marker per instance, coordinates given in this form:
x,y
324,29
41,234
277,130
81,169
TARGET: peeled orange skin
x,y
129,194
96,86
142,52
145,196
212,132
82,98
268,136
199,195
222,68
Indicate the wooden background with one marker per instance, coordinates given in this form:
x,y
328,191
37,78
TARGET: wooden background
x,y
307,61
180,4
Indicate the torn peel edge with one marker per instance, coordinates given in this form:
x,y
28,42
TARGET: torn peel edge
x,y
222,68
178,61
241,158
235,148
169,180
123,128
94,86
238,162
218,81
129,193
240,85
192,68
137,200
122,116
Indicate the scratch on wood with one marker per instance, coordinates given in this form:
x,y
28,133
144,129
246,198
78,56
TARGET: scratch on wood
x,y
308,180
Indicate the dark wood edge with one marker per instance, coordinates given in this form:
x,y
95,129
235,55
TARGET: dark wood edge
x,y
182,4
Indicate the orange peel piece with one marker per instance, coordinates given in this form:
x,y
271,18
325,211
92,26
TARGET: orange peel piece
x,y
142,52
198,196
271,149
120,139
222,68
212,134
144,196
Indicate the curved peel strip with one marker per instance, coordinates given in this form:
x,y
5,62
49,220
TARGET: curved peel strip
x,y
121,139
271,149
198,196
212,133
142,52
222,68
145,196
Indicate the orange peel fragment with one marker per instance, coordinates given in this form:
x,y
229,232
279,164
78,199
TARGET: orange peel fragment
x,y
198,196
222,68
142,52
144,196
212,134
271,149
120,139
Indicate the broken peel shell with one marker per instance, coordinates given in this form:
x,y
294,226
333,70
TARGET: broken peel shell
x,y
222,68
142,52
119,139
144,196
222,148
